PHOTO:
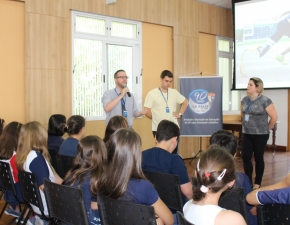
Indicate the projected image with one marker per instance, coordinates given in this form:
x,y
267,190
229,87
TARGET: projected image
x,y
262,42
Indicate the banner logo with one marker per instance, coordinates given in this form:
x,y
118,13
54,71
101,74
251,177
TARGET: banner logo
x,y
200,101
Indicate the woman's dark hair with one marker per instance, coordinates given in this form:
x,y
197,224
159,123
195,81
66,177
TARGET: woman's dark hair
x,y
57,125
211,165
115,123
2,121
124,163
90,159
9,140
225,139
75,124
166,73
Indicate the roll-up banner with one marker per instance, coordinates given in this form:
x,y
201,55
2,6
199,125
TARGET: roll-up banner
x,y
203,115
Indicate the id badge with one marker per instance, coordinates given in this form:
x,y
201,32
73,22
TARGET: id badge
x,y
167,110
125,114
247,117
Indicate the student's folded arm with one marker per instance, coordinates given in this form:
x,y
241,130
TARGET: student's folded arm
x,y
186,189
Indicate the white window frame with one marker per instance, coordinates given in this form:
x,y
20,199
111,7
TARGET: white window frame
x,y
229,55
136,43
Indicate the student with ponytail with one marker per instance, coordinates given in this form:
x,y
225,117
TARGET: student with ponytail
x,y
215,172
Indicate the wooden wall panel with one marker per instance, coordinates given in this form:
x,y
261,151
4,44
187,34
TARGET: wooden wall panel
x,y
48,7
215,20
47,92
47,42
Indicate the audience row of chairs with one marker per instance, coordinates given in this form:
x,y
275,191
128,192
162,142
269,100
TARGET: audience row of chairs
x,y
67,204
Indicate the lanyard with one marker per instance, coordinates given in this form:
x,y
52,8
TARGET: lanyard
x,y
251,103
166,100
122,100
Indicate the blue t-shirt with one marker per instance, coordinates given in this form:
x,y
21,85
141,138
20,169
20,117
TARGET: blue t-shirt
x,y
69,147
54,142
93,215
160,161
140,192
243,181
278,196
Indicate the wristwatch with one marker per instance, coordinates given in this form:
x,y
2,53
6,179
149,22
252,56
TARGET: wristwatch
x,y
180,114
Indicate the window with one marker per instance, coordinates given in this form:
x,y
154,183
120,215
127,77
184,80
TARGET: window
x,y
225,62
101,46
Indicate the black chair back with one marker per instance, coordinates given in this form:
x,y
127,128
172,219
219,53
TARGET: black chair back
x,y
168,188
181,220
65,203
30,190
274,214
6,181
55,162
234,199
116,212
66,163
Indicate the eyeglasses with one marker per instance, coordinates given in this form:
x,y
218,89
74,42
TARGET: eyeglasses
x,y
123,77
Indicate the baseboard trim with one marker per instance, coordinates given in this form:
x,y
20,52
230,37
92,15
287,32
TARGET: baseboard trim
x,y
279,148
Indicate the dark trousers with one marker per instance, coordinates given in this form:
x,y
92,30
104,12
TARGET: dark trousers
x,y
254,144
175,151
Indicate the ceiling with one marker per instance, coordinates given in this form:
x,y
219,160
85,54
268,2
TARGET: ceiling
x,y
220,3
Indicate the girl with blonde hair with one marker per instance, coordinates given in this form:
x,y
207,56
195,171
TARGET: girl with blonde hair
x,y
33,157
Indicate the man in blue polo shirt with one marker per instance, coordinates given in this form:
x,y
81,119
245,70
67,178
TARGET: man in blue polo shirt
x,y
159,159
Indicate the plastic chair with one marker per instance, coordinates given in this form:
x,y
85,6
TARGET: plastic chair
x,y
7,183
65,203
168,188
66,163
274,214
31,193
181,220
234,199
116,212
55,162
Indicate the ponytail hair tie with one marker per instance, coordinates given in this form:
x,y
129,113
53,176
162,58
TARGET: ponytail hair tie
x,y
207,174
204,189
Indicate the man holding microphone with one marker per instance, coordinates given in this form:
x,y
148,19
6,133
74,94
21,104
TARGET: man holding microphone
x,y
119,100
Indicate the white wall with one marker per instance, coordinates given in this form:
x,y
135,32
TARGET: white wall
x,y
280,100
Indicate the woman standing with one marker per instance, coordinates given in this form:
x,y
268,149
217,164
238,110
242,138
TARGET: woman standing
x,y
255,110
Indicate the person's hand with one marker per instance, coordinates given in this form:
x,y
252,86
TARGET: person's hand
x,y
176,115
124,91
143,112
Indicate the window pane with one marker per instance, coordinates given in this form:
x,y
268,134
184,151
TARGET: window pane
x,y
90,25
87,77
120,57
126,30
224,72
224,45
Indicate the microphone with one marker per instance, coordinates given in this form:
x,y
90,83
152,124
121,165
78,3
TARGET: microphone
x,y
128,93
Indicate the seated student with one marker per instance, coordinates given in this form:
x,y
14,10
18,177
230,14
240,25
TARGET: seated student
x,y
123,177
160,159
228,140
56,129
115,123
76,128
278,193
32,156
8,145
86,170
215,172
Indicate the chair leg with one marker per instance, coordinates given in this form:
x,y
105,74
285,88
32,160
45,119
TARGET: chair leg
x,y
22,215
3,209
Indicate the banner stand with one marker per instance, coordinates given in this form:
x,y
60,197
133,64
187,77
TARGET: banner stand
x,y
198,153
